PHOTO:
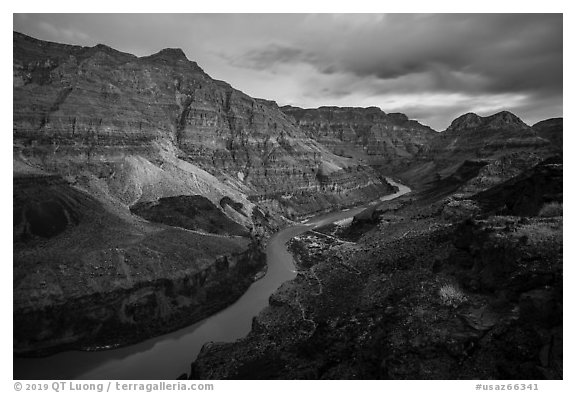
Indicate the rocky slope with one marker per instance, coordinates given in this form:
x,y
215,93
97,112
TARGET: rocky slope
x,y
387,141
502,143
483,137
552,130
411,292
391,143
527,193
101,136
86,276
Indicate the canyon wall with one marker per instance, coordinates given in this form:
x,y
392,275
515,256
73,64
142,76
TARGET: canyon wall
x,y
388,141
92,111
100,137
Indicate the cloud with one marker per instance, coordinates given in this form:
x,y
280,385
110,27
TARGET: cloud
x,y
61,34
271,56
504,52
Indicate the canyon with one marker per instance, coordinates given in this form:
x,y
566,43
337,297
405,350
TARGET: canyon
x,y
125,168
146,192
427,286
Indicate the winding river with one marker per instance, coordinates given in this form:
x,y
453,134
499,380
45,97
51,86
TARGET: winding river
x,y
167,356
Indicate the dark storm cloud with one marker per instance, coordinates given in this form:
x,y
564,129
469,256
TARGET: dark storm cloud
x,y
432,67
506,52
273,55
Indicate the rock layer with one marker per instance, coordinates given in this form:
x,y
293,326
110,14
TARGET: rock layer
x,y
387,140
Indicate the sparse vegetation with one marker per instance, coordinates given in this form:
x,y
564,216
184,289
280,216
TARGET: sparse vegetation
x,y
452,295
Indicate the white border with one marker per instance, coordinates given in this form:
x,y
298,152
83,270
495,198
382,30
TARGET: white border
x,y
300,6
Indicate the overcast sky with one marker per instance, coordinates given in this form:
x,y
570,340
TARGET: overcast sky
x,y
431,67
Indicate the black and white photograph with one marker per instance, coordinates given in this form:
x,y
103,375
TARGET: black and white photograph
x,y
287,196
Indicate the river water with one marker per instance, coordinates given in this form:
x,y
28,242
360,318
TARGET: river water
x,y
170,355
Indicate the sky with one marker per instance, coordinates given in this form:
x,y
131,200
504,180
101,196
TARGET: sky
x,y
432,67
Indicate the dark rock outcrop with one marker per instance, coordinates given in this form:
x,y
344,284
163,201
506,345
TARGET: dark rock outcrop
x,y
526,194
193,212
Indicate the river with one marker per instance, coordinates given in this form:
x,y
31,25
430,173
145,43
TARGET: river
x,y
170,355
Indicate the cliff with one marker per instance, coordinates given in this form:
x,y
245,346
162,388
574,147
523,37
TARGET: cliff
x,y
384,140
95,111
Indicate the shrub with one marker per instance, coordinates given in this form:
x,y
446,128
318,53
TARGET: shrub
x,y
451,295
